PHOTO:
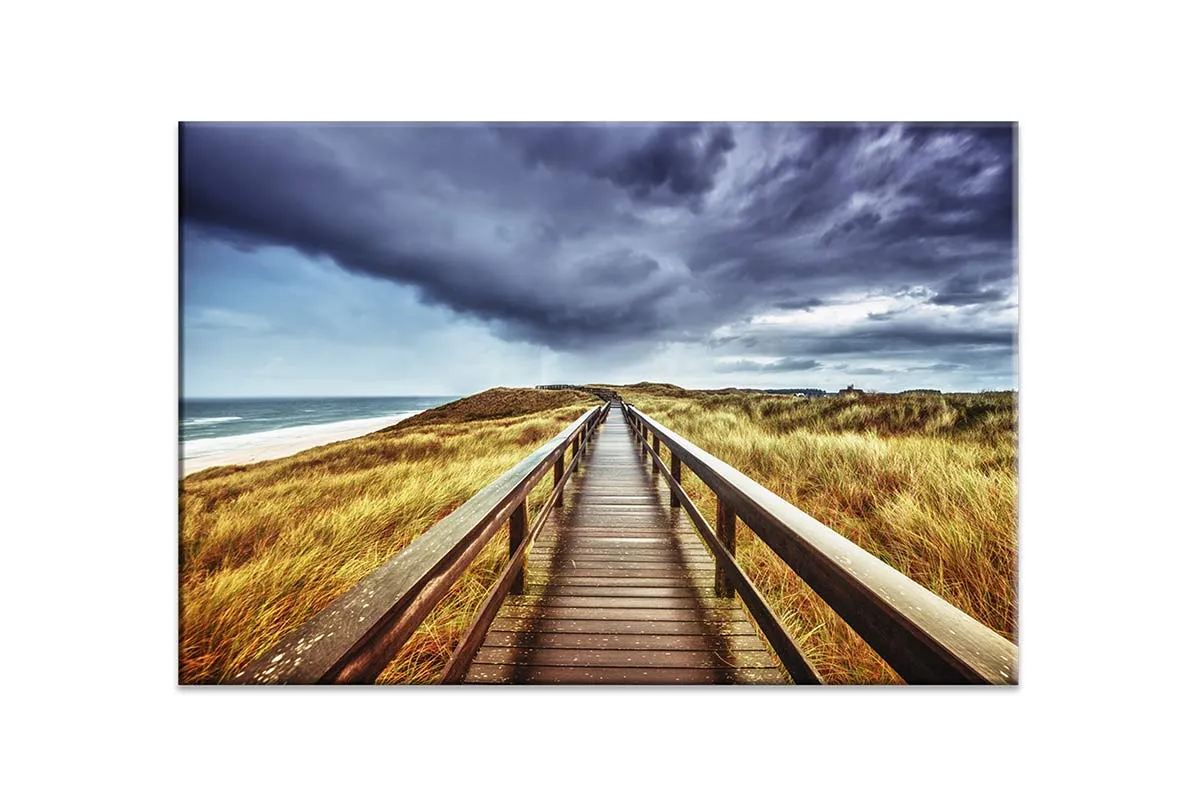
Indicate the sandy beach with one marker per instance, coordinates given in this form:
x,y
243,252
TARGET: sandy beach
x,y
199,454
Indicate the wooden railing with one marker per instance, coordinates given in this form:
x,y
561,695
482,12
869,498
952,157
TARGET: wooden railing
x,y
924,638
357,636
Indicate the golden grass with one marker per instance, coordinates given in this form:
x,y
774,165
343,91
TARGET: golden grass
x,y
264,547
927,483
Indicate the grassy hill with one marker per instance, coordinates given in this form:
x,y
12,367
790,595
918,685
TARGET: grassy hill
x,y
264,547
926,482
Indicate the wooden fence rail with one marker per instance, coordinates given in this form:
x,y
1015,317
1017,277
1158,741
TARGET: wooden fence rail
x,y
924,638
357,636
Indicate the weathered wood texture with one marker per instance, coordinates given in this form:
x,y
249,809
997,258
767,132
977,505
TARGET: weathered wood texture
x,y
926,639
460,659
730,575
619,589
355,638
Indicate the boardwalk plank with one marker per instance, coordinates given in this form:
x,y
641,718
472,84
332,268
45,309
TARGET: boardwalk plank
x,y
580,676
693,627
624,641
626,614
605,580
663,574
620,590
661,658
546,601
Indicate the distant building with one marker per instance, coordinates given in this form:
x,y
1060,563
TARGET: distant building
x,y
850,391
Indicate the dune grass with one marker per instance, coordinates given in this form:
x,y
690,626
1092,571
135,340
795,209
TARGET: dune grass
x,y
264,547
927,483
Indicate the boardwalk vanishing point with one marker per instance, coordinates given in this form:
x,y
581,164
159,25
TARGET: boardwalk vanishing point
x,y
620,589
619,579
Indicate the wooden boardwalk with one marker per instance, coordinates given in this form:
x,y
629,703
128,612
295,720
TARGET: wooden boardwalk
x,y
619,589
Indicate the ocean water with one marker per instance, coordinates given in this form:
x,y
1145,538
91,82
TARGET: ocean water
x,y
217,418
214,432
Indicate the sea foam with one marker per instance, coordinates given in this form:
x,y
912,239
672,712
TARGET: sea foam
x,y
247,448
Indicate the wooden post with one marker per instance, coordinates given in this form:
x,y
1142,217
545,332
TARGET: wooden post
x,y
558,474
677,474
518,525
726,536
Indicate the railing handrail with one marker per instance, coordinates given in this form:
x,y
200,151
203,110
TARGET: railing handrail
x,y
922,636
359,633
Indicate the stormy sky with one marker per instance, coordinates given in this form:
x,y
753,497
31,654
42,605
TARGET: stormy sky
x,y
393,259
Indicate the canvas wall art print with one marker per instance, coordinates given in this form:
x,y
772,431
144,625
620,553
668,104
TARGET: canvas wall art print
x,y
709,404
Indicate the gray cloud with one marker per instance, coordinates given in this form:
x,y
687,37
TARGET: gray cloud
x,y
804,304
888,337
966,289
680,160
786,364
565,235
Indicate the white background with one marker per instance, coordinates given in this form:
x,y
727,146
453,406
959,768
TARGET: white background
x,y
1108,170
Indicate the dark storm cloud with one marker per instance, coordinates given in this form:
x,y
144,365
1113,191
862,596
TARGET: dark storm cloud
x,y
883,206
804,304
786,364
332,192
939,367
852,370
681,160
565,235
870,339
865,221
967,289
